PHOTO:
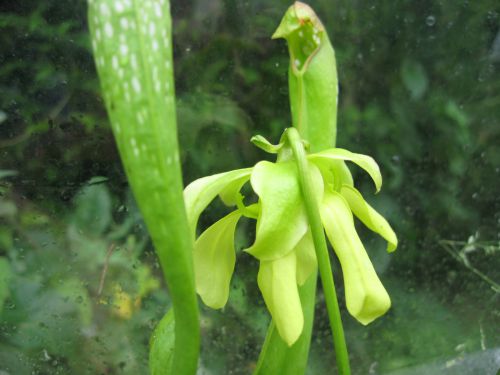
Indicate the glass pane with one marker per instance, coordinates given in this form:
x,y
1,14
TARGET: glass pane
x,y
81,288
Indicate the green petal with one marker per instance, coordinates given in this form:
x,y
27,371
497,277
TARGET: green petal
x,y
336,173
278,284
342,174
371,218
366,297
265,145
364,161
214,258
306,258
231,193
199,193
282,220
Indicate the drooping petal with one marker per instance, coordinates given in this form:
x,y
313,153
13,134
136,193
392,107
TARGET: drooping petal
x,y
306,258
364,161
371,218
282,220
342,174
214,258
366,297
278,284
231,193
335,173
199,193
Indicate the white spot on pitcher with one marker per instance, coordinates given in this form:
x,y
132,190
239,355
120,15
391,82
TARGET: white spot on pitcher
x,y
119,6
108,29
136,85
124,23
123,49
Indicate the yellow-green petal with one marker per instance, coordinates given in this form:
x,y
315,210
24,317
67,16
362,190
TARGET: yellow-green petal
x,y
231,193
335,173
282,220
199,193
364,161
342,174
366,297
368,216
278,284
306,258
214,258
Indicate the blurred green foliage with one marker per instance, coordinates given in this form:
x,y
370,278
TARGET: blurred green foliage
x,y
80,288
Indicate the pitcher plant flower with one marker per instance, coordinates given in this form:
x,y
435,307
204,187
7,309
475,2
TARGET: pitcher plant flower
x,y
283,243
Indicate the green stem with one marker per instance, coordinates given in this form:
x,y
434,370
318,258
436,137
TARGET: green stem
x,y
319,240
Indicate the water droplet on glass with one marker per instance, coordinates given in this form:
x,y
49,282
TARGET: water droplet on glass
x,y
46,356
492,15
430,20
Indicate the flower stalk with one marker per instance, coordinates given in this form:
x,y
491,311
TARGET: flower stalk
x,y
320,246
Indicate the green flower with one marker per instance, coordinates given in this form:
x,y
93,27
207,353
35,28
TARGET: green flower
x,y
283,242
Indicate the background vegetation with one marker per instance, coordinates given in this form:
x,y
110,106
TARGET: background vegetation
x,y
80,287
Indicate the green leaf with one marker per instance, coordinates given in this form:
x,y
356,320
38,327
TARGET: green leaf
x,y
97,180
5,276
453,110
278,284
282,220
306,258
3,117
7,173
8,209
366,297
161,352
214,258
132,44
199,193
93,209
371,218
414,78
364,161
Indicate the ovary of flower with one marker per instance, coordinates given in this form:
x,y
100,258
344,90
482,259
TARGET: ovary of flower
x,y
283,242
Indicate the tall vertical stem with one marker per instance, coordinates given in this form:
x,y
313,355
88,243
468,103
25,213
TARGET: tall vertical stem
x,y
321,249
